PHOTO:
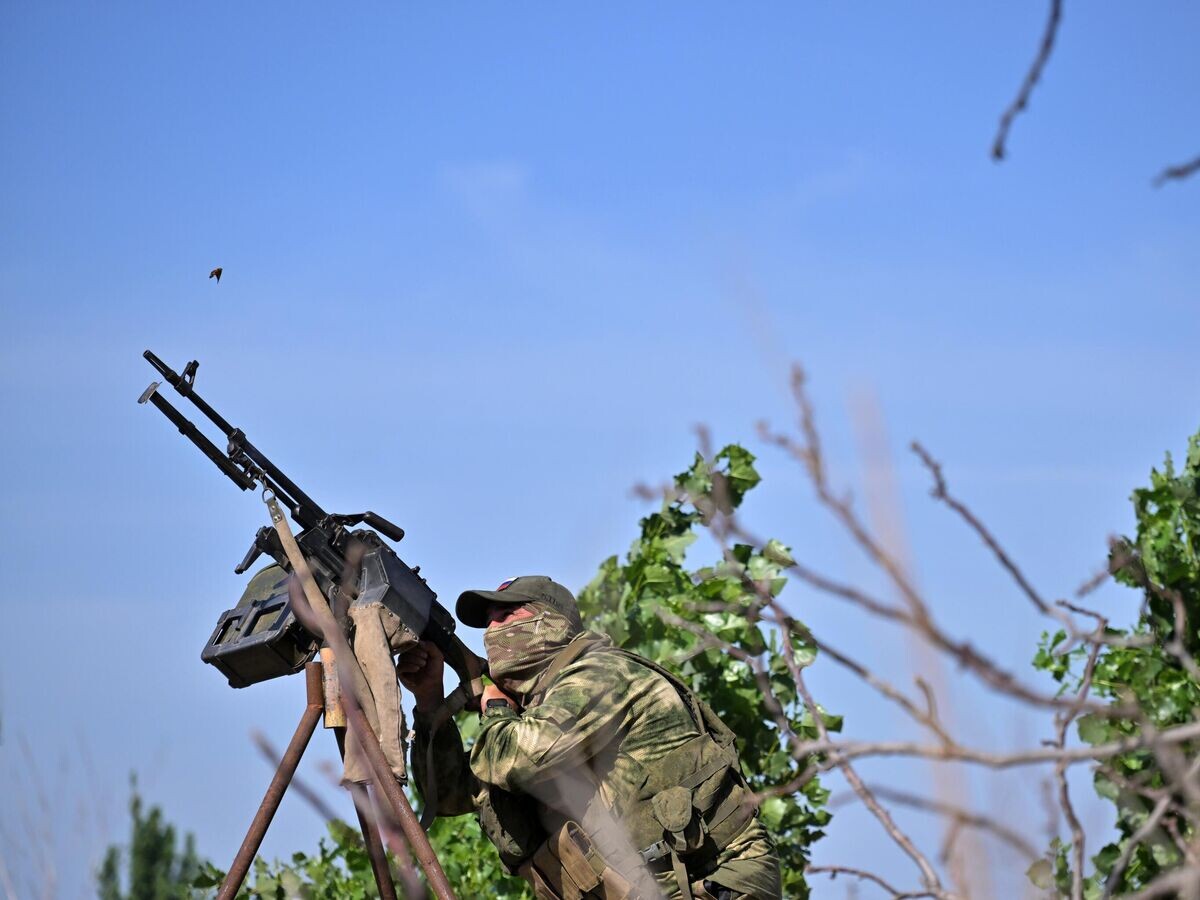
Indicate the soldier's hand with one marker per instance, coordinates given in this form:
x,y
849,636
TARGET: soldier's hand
x,y
421,671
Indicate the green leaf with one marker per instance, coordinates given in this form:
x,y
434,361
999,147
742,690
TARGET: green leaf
x,y
1093,729
1041,873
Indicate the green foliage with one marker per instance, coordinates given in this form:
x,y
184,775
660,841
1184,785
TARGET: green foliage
x,y
470,860
1164,562
155,868
637,603
339,869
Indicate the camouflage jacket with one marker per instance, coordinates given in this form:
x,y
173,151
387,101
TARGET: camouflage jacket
x,y
604,713
583,752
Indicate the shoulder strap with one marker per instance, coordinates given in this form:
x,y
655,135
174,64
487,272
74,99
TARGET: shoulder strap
x,y
580,645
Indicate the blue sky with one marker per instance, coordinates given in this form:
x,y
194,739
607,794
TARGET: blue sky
x,y
486,268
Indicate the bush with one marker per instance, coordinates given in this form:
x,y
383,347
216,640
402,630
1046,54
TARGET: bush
x,y
1162,561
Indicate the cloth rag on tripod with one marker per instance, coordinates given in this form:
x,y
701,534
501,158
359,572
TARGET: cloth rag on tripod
x,y
378,633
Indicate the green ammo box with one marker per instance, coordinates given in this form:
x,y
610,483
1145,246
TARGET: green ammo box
x,y
260,638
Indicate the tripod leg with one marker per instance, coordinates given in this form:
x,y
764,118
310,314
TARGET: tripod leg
x,y
386,784
283,777
379,864
362,805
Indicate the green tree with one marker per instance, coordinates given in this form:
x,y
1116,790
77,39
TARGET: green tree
x,y
705,624
155,867
1162,561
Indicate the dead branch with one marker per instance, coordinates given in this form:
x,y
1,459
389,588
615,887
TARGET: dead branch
x,y
958,814
1177,173
1060,773
1144,831
999,145
1177,734
940,492
928,874
298,785
1177,800
834,871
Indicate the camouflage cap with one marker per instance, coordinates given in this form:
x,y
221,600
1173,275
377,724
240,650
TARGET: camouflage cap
x,y
471,608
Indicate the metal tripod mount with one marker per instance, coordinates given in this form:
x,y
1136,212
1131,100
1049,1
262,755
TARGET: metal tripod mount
x,y
324,698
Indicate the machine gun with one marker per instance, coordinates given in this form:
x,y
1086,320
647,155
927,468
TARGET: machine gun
x,y
330,564
262,637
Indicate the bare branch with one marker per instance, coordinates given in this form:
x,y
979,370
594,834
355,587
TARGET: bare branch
x,y
855,749
1177,173
958,814
834,871
1175,797
941,493
917,615
1175,883
298,785
999,145
928,873
1147,828
927,718
1060,773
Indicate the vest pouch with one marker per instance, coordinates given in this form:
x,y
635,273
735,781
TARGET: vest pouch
x,y
580,861
567,866
685,831
545,874
542,889
510,822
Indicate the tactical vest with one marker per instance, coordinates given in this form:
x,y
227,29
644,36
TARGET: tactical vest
x,y
690,805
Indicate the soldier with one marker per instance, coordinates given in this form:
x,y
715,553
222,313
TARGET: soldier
x,y
596,773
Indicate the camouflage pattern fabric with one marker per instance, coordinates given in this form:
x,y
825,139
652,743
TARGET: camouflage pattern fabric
x,y
599,732
519,652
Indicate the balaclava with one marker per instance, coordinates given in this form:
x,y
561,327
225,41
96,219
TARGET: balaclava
x,y
519,651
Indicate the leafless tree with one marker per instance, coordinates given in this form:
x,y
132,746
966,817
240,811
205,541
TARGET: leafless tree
x,y
1087,629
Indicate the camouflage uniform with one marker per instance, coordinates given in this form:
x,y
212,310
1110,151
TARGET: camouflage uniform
x,y
606,742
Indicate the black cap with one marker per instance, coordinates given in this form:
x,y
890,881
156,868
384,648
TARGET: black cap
x,y
471,608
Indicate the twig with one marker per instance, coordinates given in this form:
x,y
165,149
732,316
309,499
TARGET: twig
x,y
1173,884
1177,173
958,814
1060,773
903,841
917,616
855,749
929,719
940,492
999,145
298,785
1143,832
834,871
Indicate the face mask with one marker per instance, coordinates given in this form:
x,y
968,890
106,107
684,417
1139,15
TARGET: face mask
x,y
518,652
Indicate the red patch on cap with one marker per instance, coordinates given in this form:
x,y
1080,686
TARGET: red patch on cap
x,y
505,584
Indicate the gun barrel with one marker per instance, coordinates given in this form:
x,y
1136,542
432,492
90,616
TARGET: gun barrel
x,y
188,429
303,508
183,385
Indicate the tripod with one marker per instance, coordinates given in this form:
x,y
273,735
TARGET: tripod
x,y
323,697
